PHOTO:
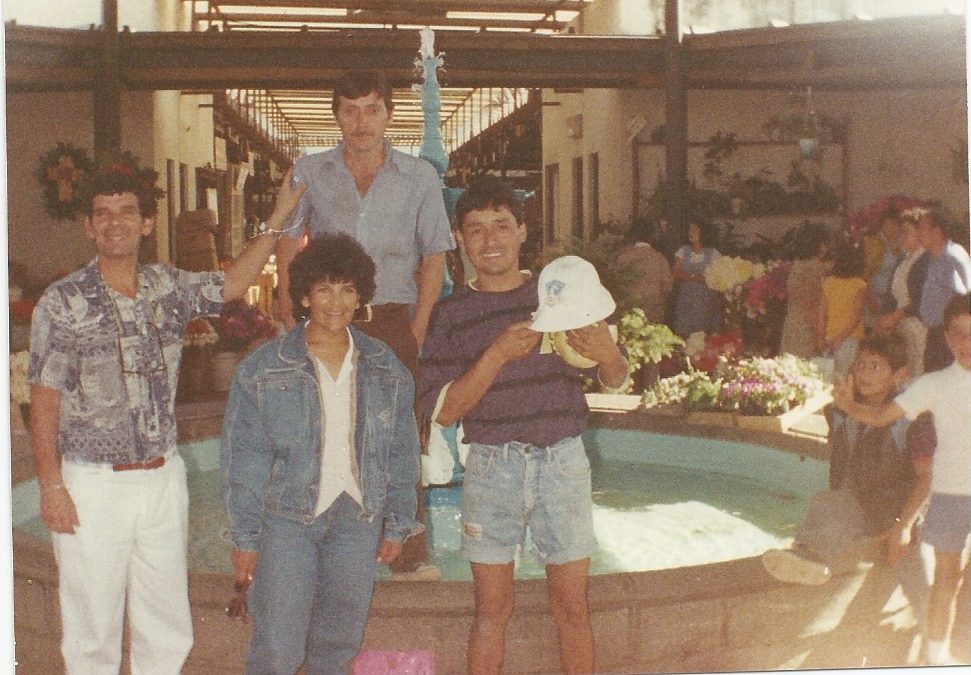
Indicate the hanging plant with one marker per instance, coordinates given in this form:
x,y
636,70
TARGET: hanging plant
x,y
60,173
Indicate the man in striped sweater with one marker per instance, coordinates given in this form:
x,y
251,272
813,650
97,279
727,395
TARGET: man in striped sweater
x,y
522,412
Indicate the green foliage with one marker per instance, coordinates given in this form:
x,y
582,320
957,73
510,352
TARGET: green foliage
x,y
645,342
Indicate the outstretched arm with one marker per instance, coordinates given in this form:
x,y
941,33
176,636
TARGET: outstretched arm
x,y
250,262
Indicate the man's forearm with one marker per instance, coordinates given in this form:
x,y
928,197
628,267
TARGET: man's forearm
x,y
465,392
45,406
431,274
613,373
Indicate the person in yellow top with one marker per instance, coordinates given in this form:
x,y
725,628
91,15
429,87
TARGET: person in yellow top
x,y
843,303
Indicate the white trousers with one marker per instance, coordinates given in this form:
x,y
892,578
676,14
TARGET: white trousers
x,y
131,541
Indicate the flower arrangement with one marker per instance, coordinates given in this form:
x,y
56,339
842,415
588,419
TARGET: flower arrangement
x,y
200,333
240,325
19,389
729,276
693,388
767,386
726,273
645,342
767,293
704,351
866,221
752,386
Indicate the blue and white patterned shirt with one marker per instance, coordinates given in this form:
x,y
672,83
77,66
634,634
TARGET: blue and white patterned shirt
x,y
400,220
115,359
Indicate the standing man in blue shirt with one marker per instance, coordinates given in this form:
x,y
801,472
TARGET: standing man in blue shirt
x,y
106,342
948,275
391,203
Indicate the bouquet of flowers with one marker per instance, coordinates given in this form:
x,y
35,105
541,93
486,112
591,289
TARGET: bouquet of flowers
x,y
240,325
767,293
729,276
200,333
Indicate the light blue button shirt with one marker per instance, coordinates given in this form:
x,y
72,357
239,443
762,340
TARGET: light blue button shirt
x,y
399,221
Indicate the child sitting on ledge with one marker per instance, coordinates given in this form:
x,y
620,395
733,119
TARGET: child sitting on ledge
x,y
879,481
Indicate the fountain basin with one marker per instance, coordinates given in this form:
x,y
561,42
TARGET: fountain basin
x,y
722,616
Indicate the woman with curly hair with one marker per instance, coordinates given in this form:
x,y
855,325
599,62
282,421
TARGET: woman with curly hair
x,y
320,450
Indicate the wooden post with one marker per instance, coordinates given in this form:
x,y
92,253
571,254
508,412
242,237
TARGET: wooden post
x,y
676,120
107,90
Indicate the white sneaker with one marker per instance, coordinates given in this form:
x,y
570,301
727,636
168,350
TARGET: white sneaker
x,y
784,565
424,572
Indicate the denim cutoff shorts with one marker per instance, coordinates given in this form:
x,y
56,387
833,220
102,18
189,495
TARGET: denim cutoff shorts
x,y
514,486
948,522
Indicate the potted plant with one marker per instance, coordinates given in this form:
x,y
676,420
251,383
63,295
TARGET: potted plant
x,y
196,372
241,328
646,344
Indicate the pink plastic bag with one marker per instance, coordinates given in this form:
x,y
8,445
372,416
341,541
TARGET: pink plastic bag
x,y
383,662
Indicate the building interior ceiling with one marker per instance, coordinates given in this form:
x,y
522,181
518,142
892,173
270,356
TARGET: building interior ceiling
x,y
288,52
307,111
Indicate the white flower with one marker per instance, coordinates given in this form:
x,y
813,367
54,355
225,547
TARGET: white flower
x,y
695,343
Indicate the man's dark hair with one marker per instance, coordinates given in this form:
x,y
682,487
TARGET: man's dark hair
x,y
116,181
487,192
957,306
332,257
357,83
890,346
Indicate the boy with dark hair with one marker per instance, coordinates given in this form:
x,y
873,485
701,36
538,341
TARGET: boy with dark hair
x,y
879,479
946,394
523,412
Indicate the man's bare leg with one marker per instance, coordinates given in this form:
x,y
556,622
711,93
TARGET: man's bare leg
x,y
493,607
568,604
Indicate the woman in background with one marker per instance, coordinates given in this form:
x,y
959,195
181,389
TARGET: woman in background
x,y
804,288
697,307
843,303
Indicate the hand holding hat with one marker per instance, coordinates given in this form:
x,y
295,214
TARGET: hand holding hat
x,y
571,297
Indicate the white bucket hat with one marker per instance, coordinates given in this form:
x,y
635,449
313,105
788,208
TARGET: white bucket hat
x,y
570,296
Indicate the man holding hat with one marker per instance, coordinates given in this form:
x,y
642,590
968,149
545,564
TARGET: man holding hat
x,y
522,409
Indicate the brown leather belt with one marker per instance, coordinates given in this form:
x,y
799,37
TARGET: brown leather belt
x,y
134,466
369,313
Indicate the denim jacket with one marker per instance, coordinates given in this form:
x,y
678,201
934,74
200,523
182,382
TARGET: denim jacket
x,y
270,449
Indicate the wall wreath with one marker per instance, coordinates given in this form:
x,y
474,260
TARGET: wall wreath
x,y
60,173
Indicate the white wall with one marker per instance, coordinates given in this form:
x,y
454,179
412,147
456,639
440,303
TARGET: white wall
x,y
899,140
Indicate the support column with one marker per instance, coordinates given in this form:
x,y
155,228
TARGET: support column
x,y
107,89
676,120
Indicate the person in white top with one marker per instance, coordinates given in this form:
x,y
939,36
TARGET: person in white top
x,y
906,287
945,393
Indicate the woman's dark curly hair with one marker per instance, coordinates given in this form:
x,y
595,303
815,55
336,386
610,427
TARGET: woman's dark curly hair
x,y
332,257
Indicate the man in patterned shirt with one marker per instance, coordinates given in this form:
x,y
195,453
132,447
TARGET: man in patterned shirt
x,y
106,342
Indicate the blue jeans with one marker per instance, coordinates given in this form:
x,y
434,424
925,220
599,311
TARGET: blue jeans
x,y
511,487
312,591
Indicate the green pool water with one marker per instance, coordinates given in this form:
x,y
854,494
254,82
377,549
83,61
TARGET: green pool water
x,y
660,501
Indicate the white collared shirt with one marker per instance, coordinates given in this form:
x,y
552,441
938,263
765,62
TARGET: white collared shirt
x,y
337,437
